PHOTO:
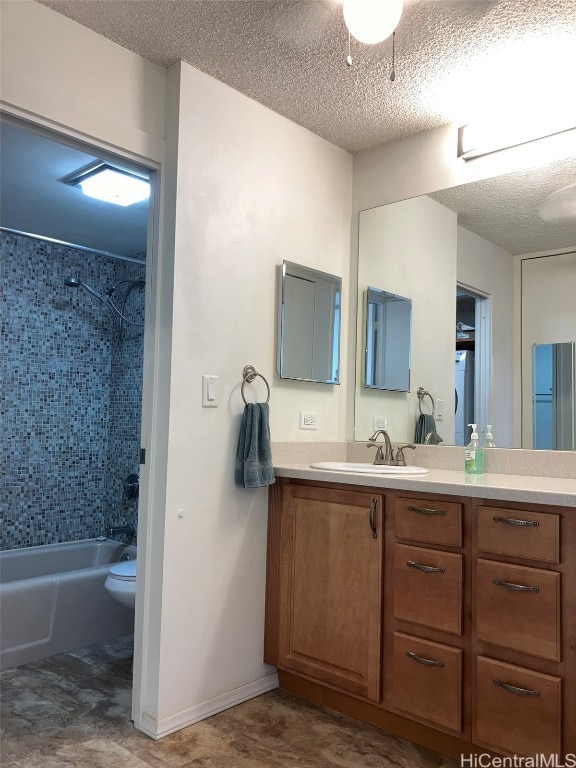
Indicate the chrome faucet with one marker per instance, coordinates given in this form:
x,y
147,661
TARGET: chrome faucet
x,y
388,456
433,438
381,458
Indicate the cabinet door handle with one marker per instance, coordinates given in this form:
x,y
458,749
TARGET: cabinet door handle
x,y
426,510
515,587
514,521
425,568
515,689
422,660
372,518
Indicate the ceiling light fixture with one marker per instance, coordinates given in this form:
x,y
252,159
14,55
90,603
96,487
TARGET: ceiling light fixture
x,y
111,184
478,139
371,21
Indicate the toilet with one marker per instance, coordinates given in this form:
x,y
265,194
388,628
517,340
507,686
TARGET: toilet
x,y
121,582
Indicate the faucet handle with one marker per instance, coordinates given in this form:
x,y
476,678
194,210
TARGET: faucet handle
x,y
400,458
379,455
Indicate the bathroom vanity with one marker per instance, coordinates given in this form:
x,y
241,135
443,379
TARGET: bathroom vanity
x,y
440,611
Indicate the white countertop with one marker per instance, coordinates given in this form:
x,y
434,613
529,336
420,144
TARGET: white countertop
x,y
523,488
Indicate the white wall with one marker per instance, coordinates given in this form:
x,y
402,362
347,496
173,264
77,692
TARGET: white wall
x,y
251,191
490,269
409,248
56,72
243,188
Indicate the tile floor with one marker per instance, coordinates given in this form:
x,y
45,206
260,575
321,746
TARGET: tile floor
x,y
73,710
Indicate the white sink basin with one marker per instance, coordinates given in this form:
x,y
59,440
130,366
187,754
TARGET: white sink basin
x,y
373,469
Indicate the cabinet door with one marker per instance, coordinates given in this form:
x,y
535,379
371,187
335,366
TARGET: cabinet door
x,y
331,582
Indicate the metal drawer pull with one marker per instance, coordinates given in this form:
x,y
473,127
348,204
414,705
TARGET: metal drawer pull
x,y
422,660
425,568
515,587
515,689
426,510
513,521
372,518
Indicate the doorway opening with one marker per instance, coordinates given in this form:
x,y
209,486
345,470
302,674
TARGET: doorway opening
x,y
472,363
75,287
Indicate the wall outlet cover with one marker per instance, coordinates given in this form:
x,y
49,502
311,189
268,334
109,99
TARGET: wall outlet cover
x,y
308,420
380,422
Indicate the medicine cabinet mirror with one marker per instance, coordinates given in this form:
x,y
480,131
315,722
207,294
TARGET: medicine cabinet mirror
x,y
387,341
309,324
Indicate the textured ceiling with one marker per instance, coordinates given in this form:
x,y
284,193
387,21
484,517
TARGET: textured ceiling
x,y
453,56
505,209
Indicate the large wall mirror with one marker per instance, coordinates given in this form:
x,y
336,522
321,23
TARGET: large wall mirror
x,y
490,268
309,324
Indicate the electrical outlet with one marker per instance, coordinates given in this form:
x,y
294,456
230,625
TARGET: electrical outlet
x,y
379,422
308,420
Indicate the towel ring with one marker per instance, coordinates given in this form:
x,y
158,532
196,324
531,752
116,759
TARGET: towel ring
x,y
249,373
421,393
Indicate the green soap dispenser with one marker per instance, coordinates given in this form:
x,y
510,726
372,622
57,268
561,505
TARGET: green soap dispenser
x,y
474,455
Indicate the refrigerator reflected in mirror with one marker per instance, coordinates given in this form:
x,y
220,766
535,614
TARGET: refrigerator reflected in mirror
x,y
554,396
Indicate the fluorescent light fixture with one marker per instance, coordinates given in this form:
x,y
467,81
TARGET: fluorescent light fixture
x,y
111,184
478,139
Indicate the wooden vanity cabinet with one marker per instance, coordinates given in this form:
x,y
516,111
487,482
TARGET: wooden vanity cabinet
x,y
403,610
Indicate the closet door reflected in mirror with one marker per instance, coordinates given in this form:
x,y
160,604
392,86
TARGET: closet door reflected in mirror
x,y
309,324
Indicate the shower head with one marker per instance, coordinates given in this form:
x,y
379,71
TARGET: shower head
x,y
75,282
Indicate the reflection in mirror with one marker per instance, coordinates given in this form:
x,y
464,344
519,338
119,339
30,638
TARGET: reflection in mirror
x,y
499,240
309,324
553,396
387,329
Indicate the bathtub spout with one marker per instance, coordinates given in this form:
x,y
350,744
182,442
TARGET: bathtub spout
x,y
127,530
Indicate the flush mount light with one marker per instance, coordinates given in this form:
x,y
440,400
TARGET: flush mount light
x,y
478,139
371,21
111,184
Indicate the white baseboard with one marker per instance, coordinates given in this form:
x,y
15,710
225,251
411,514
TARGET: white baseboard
x,y
157,729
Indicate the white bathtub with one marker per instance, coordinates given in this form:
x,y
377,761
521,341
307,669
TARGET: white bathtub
x,y
52,599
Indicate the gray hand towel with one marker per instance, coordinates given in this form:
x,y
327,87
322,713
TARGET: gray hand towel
x,y
424,426
254,454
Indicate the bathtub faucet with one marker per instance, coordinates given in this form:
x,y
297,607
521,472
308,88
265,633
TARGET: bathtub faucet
x,y
128,530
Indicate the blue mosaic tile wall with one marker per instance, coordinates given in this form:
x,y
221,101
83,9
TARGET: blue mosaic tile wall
x,y
71,395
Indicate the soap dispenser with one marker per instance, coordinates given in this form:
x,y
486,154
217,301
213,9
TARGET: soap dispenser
x,y
474,455
489,438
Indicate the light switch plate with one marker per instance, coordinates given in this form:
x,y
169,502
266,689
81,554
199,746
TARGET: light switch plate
x,y
209,391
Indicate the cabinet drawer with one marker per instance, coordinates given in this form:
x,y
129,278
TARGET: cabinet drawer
x,y
517,710
433,522
428,588
519,607
534,535
427,680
